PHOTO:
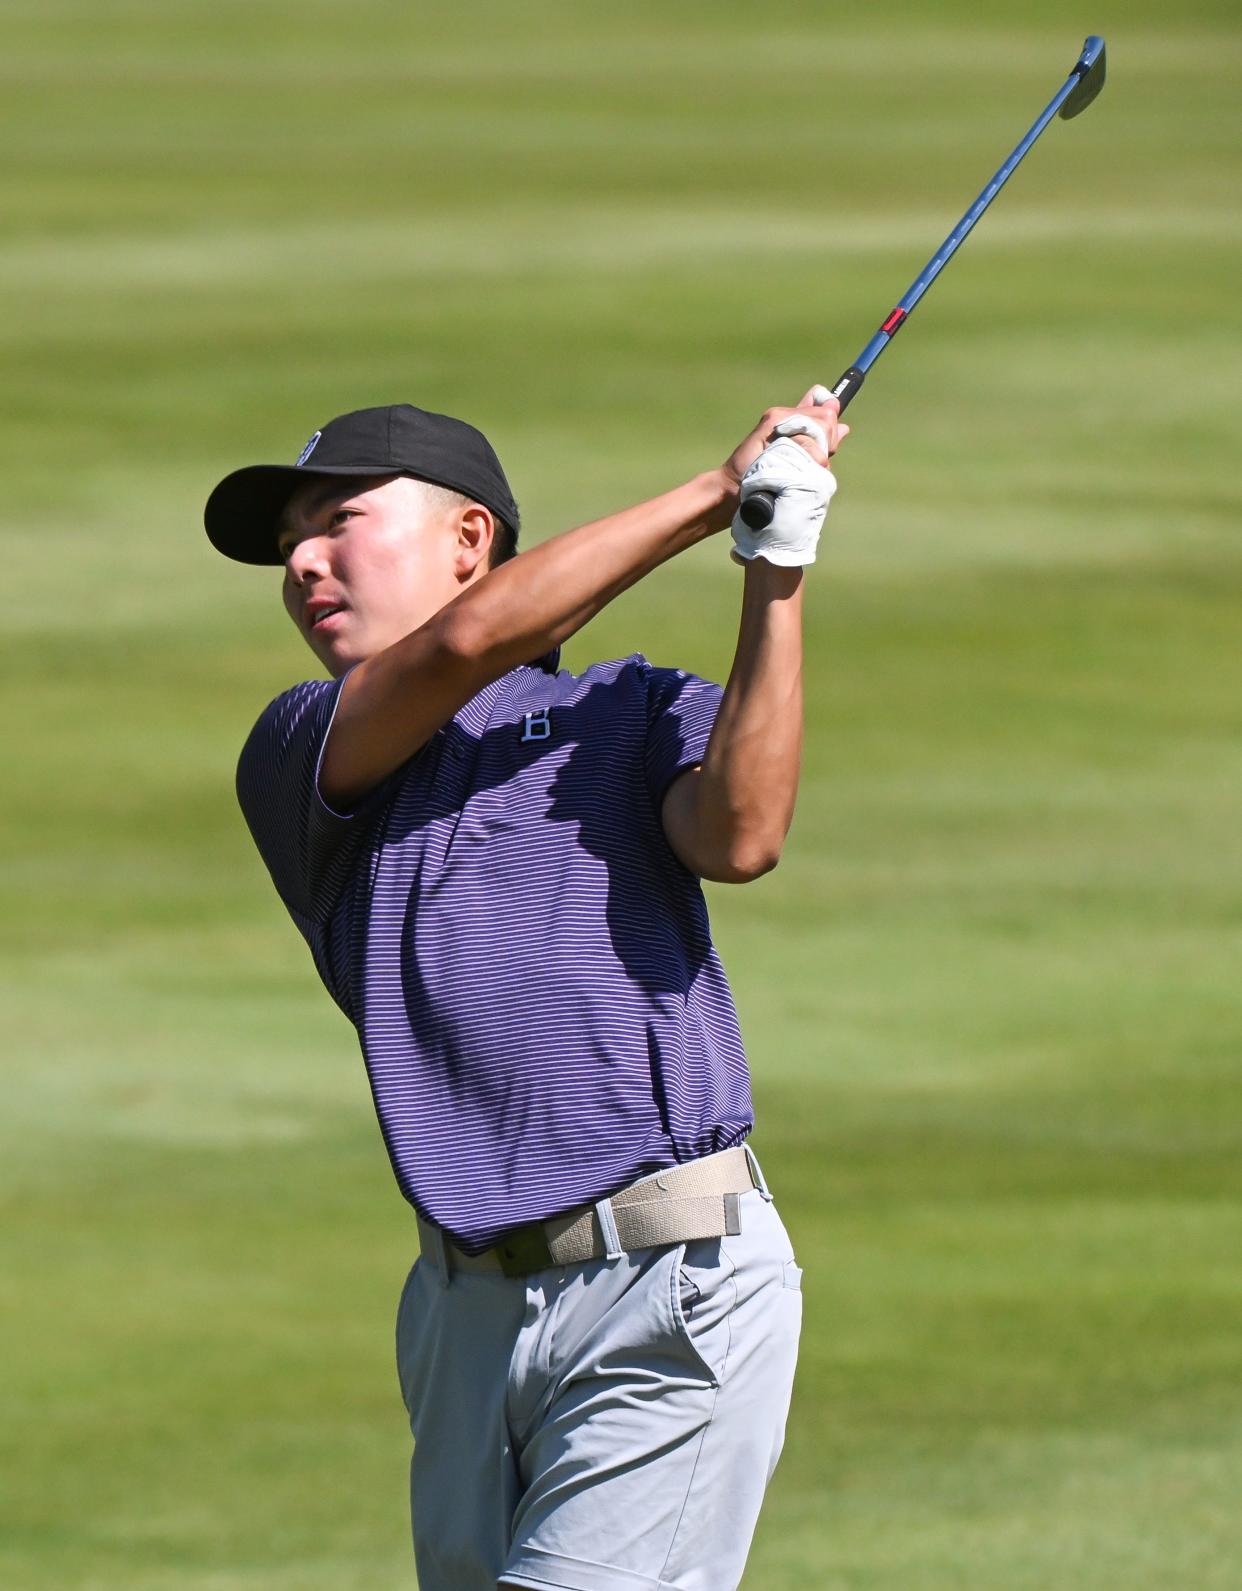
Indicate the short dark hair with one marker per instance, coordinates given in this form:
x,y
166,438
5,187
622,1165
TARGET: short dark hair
x,y
505,537
504,544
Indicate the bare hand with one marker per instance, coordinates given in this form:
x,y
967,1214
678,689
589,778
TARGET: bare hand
x,y
826,415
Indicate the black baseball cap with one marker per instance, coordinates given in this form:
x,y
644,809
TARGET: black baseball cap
x,y
243,513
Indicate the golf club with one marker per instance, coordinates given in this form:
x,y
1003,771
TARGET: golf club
x,y
1075,94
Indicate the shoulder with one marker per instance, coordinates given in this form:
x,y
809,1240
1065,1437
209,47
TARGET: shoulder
x,y
525,688
635,672
616,687
293,723
308,847
284,713
635,680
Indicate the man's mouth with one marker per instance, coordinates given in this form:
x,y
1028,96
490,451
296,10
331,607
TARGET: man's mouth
x,y
317,617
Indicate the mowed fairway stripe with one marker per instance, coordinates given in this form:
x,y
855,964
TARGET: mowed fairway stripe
x,y
563,240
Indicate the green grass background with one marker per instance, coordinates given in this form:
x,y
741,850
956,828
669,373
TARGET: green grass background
x,y
992,996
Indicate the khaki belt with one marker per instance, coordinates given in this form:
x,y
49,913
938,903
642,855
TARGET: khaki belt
x,y
698,1199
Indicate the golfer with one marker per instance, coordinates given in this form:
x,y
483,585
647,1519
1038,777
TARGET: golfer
x,y
496,864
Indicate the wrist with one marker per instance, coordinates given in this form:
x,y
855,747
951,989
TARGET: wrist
x,y
720,489
772,582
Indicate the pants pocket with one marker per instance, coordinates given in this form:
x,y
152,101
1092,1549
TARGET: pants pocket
x,y
702,1295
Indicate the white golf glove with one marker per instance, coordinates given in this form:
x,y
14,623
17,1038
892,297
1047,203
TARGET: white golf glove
x,y
802,489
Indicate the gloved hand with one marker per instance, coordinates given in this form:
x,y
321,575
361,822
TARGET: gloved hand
x,y
802,489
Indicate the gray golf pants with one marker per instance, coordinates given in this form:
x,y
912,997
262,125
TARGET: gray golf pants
x,y
606,1426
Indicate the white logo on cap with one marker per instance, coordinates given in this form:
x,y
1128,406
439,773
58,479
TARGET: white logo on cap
x,y
309,448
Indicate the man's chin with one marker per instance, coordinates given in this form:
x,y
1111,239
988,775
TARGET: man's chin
x,y
334,652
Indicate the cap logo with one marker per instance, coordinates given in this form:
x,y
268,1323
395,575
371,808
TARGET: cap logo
x,y
309,448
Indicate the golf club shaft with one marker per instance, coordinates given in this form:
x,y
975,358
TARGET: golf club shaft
x,y
758,509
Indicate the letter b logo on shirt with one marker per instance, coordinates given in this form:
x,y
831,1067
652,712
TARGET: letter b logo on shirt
x,y
537,726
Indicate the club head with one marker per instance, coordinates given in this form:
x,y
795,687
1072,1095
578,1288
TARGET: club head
x,y
1090,70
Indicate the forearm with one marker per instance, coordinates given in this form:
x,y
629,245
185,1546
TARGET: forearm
x,y
537,601
735,811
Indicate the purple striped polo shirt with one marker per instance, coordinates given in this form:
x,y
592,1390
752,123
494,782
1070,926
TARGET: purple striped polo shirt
x,y
541,1010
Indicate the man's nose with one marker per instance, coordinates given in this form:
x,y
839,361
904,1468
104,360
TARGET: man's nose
x,y
308,560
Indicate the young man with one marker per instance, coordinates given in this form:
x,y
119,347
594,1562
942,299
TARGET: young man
x,y
497,868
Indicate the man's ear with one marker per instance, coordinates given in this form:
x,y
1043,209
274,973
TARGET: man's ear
x,y
475,530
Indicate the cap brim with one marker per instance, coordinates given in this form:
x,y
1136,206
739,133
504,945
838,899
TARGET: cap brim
x,y
242,516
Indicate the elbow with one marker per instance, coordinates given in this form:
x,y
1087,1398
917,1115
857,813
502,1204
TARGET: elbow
x,y
459,636
477,640
724,843
743,864
467,645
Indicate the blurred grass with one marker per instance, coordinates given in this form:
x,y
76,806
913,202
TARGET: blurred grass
x,y
991,996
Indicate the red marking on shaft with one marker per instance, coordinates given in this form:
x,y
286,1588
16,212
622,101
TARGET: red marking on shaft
x,y
893,321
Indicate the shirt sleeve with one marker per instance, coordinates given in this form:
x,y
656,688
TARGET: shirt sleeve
x,y
681,709
308,848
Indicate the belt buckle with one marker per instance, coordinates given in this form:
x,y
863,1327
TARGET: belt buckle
x,y
523,1251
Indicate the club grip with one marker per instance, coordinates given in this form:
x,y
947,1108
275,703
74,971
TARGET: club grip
x,y
759,507
849,386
